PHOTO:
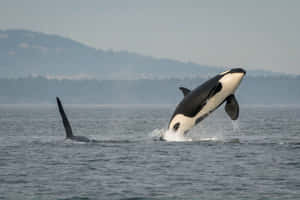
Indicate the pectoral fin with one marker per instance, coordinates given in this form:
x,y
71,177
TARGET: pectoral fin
x,y
232,107
185,91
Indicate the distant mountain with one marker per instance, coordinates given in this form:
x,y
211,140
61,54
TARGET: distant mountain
x,y
25,53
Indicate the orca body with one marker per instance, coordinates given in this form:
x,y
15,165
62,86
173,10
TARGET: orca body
x,y
197,104
67,125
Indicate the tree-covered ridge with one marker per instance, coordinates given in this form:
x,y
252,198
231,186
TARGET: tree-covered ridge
x,y
24,53
253,90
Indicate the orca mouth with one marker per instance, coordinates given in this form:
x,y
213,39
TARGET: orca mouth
x,y
238,70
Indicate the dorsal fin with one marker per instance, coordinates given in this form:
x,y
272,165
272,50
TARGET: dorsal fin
x,y
185,91
68,129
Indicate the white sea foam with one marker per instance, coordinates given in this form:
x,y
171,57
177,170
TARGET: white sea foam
x,y
168,135
207,139
200,134
172,136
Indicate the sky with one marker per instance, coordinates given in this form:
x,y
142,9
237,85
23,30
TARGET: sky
x,y
255,34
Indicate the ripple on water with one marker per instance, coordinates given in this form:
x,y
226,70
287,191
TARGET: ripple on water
x,y
254,158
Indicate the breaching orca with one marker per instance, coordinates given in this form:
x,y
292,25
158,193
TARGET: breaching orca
x,y
200,102
67,125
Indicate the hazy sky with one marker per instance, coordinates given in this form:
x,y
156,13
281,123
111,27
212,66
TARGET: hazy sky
x,y
255,34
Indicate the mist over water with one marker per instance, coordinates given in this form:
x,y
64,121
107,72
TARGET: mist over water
x,y
255,157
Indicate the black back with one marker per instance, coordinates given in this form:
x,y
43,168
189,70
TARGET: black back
x,y
193,102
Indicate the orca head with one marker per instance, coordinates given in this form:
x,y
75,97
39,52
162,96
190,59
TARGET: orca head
x,y
231,79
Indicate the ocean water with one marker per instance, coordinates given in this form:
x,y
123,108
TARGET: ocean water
x,y
256,157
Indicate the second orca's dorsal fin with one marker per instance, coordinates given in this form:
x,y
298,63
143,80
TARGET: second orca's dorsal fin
x,y
185,91
232,107
67,125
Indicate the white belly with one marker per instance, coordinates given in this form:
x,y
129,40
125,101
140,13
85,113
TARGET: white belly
x,y
186,123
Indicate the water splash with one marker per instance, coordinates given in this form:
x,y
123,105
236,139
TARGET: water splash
x,y
168,135
157,133
172,136
215,134
236,126
207,139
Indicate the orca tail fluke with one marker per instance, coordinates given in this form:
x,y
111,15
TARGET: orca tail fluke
x,y
66,123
